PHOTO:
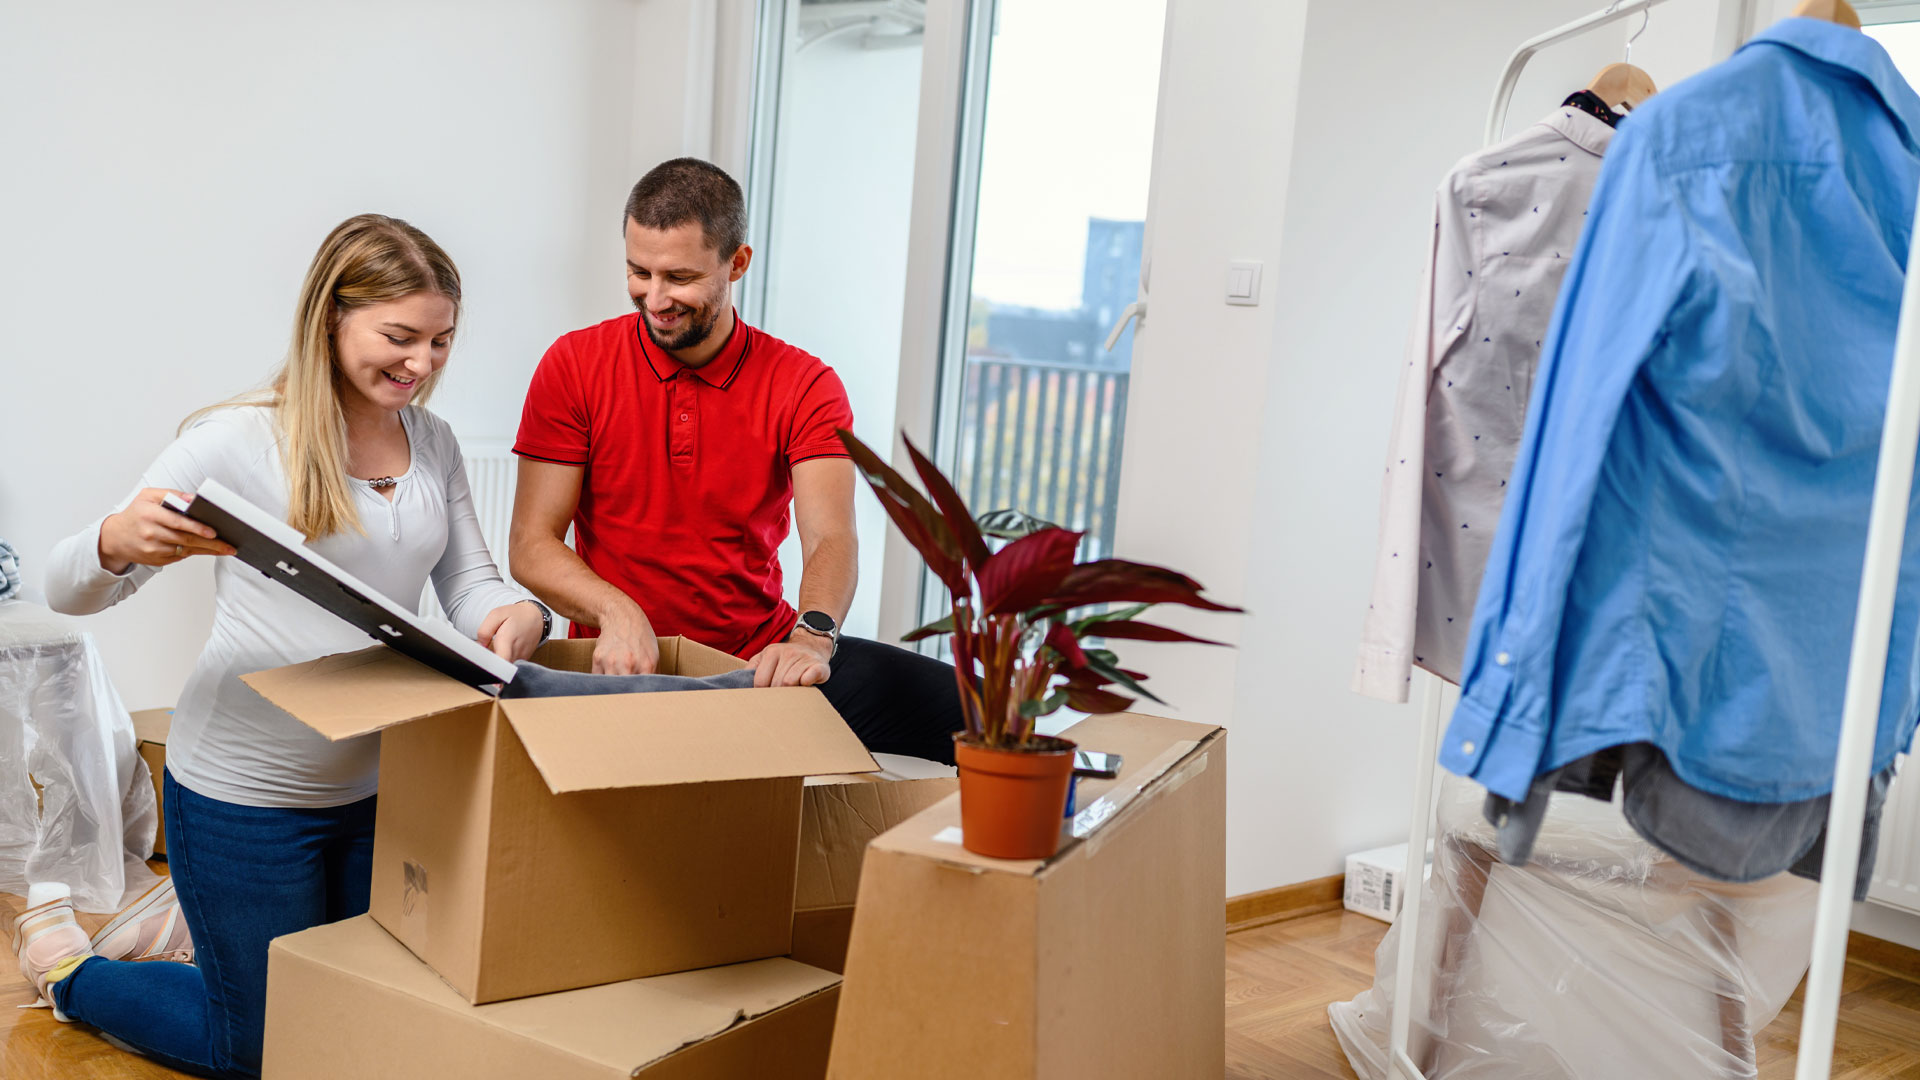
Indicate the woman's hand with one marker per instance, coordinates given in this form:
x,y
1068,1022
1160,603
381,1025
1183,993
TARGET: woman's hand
x,y
513,632
149,534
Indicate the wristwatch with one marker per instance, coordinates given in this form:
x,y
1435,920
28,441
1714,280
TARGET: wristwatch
x,y
546,620
821,624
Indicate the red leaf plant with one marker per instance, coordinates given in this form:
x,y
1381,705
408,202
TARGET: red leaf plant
x,y
1017,620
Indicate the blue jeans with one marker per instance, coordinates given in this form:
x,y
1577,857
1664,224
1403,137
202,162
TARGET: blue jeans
x,y
245,875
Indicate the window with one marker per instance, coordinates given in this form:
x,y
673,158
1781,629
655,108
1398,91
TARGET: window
x,y
949,201
832,197
1035,403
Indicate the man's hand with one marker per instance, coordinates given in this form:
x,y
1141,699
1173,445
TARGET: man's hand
x,y
801,660
627,646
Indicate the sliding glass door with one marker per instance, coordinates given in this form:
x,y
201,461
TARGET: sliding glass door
x,y
952,198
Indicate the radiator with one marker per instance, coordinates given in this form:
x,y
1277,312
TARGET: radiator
x,y
491,472
1896,876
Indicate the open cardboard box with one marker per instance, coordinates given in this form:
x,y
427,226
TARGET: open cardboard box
x,y
1104,960
536,845
346,1000
839,816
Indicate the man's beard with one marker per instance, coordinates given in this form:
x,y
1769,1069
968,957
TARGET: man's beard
x,y
695,332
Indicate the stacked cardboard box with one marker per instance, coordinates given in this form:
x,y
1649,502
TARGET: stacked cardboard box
x,y
347,1000
541,846
1104,960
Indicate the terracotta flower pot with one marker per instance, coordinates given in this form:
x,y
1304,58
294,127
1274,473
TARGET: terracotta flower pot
x,y
1012,801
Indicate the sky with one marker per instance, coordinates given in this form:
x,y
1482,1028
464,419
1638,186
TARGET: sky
x,y
1069,136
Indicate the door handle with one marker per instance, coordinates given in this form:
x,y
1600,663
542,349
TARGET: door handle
x,y
1135,310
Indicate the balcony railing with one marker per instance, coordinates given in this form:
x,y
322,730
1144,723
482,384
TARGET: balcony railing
x,y
1044,438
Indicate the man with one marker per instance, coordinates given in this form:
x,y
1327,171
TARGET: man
x,y
680,443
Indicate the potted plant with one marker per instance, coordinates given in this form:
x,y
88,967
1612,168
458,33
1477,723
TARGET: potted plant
x,y
1019,617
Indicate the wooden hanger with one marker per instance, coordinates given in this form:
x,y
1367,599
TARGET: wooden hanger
x,y
1833,11
1625,85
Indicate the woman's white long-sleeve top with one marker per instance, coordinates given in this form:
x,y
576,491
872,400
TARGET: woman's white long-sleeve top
x,y
228,742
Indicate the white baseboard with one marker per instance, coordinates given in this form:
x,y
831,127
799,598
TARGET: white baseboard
x,y
1888,924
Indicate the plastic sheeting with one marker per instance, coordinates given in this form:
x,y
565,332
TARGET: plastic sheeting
x,y
62,726
1601,958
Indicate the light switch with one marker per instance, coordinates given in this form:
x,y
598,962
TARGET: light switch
x,y
1243,283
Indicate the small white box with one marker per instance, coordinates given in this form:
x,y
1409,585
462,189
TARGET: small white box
x,y
1375,881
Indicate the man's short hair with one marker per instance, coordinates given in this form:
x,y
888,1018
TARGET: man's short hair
x,y
688,189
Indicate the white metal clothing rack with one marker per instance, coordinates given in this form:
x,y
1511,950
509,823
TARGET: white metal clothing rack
x,y
1866,667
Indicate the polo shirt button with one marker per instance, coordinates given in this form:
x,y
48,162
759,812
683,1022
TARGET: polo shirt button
x,y
1466,748
1503,659
683,416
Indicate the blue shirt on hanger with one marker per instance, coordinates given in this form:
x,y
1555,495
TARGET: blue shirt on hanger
x,y
1679,555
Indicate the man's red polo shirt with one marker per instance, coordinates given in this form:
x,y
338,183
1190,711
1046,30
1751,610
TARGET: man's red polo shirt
x,y
689,472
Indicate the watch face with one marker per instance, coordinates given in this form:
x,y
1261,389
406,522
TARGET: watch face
x,y
818,621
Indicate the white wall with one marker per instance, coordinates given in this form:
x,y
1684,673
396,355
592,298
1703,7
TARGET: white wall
x,y
171,169
837,257
1311,137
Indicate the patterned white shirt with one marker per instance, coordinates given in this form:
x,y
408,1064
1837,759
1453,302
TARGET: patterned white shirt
x,y
1506,220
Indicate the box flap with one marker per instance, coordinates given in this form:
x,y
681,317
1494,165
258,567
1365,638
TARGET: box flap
x,y
688,737
678,656
699,661
357,693
893,767
566,654
625,1026
1153,749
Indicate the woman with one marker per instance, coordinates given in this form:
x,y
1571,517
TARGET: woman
x,y
270,826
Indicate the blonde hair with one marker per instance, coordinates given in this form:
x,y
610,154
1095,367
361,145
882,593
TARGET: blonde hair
x,y
369,259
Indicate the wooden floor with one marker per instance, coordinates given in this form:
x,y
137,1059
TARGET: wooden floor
x,y
1280,979
35,1046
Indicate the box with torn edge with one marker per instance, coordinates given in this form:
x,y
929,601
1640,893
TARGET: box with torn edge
x,y
346,1000
839,815
1104,960
541,844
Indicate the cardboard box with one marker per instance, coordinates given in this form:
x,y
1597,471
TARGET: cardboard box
x,y
536,845
839,815
1105,960
347,1000
150,728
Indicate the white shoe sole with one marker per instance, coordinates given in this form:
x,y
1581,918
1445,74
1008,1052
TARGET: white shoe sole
x,y
43,1003
159,896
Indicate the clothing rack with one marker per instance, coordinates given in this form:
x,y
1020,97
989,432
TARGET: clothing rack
x,y
1503,96
1866,667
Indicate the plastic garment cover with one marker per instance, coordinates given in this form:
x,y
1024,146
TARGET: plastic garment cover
x,y
9,571
1601,958
62,726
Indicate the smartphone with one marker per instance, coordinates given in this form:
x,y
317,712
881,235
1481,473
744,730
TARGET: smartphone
x,y
1099,766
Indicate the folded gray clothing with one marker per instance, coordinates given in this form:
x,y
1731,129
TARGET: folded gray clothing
x,y
9,571
1723,838
533,680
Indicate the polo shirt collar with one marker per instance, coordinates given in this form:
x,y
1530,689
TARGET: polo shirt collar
x,y
718,372
1845,47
